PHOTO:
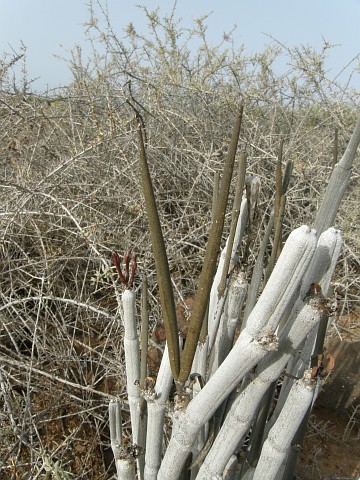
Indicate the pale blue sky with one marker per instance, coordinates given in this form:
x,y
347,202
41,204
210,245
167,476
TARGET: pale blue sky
x,y
53,27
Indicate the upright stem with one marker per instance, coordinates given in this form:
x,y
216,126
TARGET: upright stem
x,y
279,209
157,402
215,194
252,345
257,272
337,185
161,260
234,220
210,260
336,148
275,448
144,330
132,359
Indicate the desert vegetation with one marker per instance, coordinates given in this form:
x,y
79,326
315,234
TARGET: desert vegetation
x,y
72,203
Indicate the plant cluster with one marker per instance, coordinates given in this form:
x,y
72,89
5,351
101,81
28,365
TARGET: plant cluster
x,y
71,195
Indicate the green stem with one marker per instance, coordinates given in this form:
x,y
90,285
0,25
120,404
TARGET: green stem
x,y
210,260
160,258
336,149
282,185
215,194
234,220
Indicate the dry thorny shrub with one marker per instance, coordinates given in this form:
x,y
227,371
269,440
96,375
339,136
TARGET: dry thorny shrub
x,y
70,195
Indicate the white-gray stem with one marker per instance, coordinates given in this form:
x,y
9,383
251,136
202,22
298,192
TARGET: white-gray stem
x,y
338,183
132,359
252,345
156,403
276,446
